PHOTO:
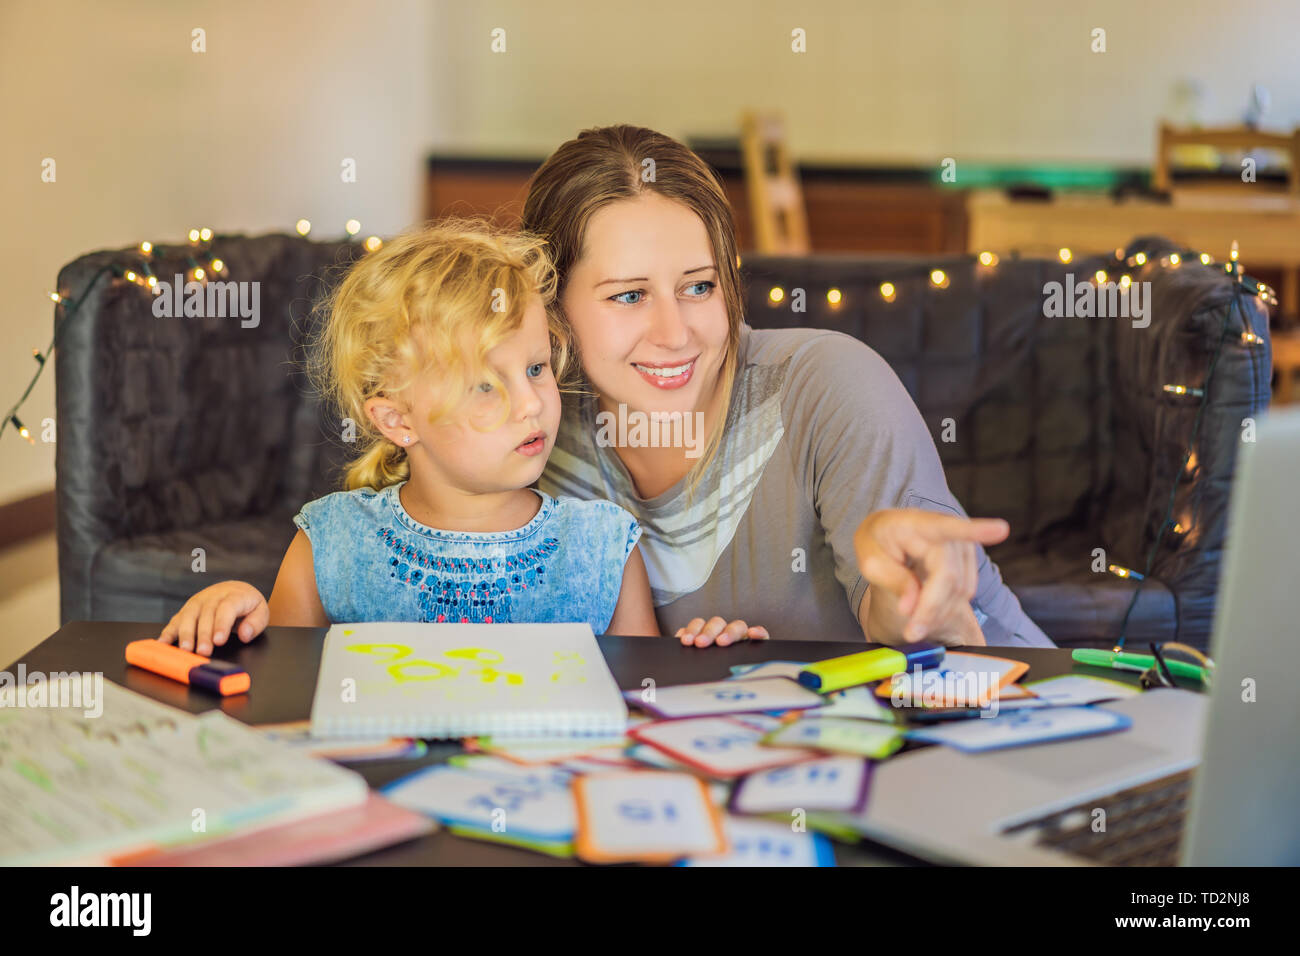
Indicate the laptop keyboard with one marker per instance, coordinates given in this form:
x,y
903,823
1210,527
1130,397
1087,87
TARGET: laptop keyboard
x,y
1144,825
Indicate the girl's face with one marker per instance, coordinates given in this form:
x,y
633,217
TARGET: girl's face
x,y
646,309
510,456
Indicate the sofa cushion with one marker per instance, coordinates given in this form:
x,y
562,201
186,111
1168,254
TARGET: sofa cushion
x,y
148,577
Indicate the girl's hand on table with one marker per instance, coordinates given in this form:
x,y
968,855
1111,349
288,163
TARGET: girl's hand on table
x,y
701,633
208,617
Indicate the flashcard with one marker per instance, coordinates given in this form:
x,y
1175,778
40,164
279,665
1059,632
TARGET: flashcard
x,y
788,669
863,738
645,754
766,722
581,765
718,746
765,843
557,848
726,697
837,784
858,702
1080,689
488,764
648,817
1022,727
962,680
537,751
992,708
486,801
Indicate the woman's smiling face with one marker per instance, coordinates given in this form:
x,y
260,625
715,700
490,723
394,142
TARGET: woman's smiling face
x,y
646,307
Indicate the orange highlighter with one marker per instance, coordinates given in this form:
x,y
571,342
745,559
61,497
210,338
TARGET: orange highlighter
x,y
223,677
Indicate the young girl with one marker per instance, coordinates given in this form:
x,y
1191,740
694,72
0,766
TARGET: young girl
x,y
439,350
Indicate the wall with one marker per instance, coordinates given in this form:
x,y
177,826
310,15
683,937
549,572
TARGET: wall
x,y
905,80
151,139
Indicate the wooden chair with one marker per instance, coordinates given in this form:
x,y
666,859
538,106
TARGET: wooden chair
x,y
776,203
1226,137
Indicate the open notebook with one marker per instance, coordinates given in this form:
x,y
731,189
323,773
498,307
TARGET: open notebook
x,y
78,786
464,680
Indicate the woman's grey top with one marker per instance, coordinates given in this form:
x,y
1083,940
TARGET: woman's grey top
x,y
820,433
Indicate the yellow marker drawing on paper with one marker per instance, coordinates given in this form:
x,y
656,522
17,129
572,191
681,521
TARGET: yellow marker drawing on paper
x,y
402,672
399,671
569,657
399,650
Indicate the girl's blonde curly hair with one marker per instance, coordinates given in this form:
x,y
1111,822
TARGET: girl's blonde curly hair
x,y
411,307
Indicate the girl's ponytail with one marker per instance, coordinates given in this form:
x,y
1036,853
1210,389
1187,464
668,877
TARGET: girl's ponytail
x,y
380,465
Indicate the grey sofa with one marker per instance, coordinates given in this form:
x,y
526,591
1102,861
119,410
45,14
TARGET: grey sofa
x,y
187,444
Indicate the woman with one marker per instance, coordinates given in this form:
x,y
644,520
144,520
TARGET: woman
x,y
818,505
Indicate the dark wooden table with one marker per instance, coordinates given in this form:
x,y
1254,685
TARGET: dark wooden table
x,y
284,661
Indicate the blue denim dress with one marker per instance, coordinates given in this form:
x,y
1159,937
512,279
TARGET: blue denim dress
x,y
374,562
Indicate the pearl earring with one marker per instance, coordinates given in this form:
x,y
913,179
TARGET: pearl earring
x,y
406,439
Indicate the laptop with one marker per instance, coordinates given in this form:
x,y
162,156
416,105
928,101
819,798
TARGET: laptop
x,y
1201,780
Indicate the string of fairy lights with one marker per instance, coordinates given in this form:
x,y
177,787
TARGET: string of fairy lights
x,y
202,262
1123,265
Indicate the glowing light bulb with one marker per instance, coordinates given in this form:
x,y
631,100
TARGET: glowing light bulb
x,y
194,235
776,294
1065,255
986,259
217,265
1125,282
1140,258
303,227
352,227
146,247
373,244
199,274
1205,258
834,296
1174,259
1100,276
1233,254
205,233
938,279
887,291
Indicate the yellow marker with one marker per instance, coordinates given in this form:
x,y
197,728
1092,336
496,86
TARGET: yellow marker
x,y
837,673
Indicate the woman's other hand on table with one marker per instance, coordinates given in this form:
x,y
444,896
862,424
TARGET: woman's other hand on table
x,y
701,633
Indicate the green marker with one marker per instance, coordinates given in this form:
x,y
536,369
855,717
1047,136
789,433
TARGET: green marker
x,y
1123,661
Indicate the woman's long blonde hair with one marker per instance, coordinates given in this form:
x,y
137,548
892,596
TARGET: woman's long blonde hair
x,y
409,308
606,164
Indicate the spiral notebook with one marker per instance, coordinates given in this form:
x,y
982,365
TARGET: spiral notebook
x,y
464,680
